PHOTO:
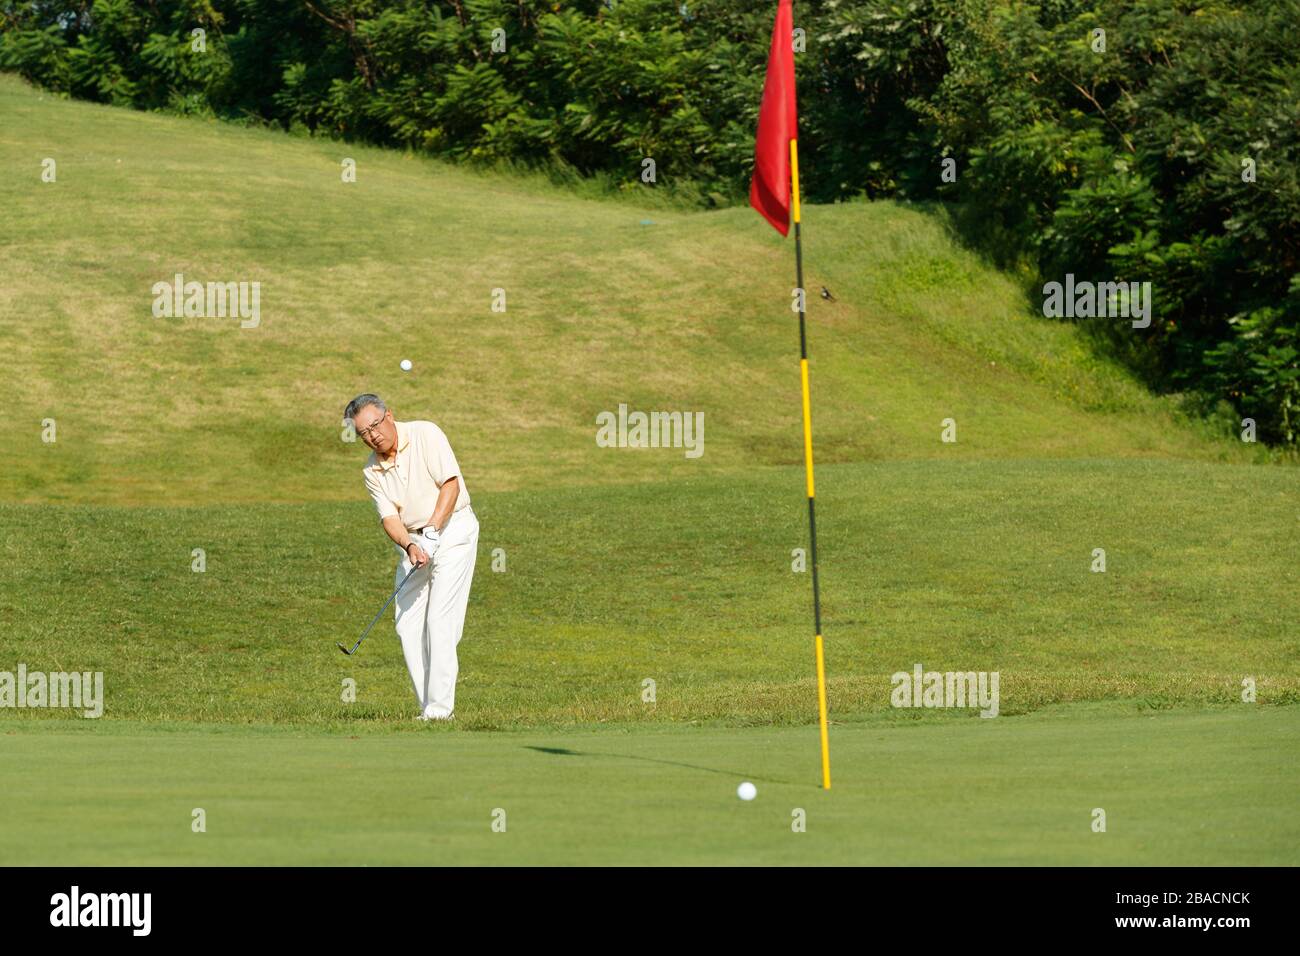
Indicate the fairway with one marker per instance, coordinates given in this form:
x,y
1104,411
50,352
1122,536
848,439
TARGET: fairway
x,y
639,634
969,566
1177,787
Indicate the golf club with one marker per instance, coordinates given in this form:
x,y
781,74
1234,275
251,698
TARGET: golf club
x,y
377,616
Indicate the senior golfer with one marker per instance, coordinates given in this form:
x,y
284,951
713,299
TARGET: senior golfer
x,y
414,479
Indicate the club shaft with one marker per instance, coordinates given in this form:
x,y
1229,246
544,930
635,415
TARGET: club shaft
x,y
391,597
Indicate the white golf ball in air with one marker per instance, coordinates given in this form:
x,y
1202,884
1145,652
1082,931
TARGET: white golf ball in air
x,y
747,791
406,365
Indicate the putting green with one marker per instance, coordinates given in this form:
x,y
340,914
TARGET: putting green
x,y
1178,788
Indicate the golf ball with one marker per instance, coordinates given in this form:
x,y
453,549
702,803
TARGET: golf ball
x,y
406,365
747,791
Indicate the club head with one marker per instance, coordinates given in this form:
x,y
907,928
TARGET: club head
x,y
343,649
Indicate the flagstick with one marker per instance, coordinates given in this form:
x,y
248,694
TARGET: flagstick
x,y
808,463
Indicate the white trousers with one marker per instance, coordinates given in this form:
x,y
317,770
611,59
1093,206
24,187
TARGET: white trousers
x,y
430,613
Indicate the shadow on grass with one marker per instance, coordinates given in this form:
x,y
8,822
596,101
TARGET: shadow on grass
x,y
736,774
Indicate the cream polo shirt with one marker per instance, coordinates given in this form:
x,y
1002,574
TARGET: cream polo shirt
x,y
407,484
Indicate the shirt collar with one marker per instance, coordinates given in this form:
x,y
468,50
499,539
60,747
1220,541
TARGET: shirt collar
x,y
403,439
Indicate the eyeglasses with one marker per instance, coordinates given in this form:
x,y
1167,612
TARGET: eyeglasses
x,y
365,432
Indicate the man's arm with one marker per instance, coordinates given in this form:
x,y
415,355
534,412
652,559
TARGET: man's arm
x,y
394,528
397,531
446,501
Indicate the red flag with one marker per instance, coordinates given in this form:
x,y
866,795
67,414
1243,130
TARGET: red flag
x,y
778,123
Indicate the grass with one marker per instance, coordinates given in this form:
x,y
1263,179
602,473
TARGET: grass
x,y
975,792
973,566
601,568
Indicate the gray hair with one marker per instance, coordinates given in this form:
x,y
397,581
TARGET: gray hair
x,y
360,402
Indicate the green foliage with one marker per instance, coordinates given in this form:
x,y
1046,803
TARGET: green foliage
x,y
1128,161
1257,367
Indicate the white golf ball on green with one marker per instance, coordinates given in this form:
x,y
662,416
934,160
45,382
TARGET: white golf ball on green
x,y
747,791
406,365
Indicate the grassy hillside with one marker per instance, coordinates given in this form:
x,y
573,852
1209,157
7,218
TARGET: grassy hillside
x,y
690,312
621,564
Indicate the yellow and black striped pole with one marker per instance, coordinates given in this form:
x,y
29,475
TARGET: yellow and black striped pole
x,y
808,465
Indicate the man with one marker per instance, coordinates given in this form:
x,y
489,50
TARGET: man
x,y
420,494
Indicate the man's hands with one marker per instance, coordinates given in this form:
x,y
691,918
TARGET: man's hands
x,y
416,555
420,550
